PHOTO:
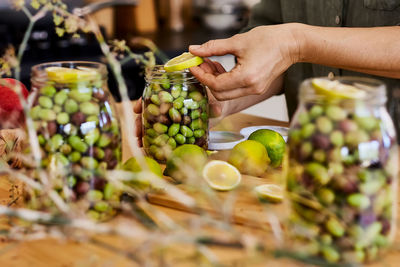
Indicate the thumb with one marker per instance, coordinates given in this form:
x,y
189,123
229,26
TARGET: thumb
x,y
218,47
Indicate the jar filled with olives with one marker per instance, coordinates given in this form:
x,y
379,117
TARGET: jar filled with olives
x,y
342,170
175,112
78,131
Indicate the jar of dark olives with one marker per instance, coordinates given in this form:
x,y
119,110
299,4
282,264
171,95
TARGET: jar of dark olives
x,y
175,112
342,170
78,131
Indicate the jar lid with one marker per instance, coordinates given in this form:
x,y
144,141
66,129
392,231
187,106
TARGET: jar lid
x,y
224,140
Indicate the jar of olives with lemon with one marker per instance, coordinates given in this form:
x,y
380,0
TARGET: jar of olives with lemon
x,y
175,112
78,131
342,170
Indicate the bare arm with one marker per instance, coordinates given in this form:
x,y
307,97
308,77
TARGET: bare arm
x,y
370,50
266,52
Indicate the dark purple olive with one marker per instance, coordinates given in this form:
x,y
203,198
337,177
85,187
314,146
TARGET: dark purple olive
x,y
82,188
78,118
201,141
321,141
97,183
108,154
52,128
385,226
163,119
112,164
347,126
100,95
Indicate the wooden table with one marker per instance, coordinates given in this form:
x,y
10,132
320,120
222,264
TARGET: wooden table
x,y
50,252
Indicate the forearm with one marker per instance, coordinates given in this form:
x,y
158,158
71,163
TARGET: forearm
x,y
370,50
239,104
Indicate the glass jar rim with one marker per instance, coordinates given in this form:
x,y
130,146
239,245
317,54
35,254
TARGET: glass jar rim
x,y
38,71
375,90
157,74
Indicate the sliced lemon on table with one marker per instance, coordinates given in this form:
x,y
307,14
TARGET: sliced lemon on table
x,y
69,75
336,89
184,61
222,176
269,193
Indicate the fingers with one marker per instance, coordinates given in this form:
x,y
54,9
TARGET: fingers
x,y
137,108
219,67
139,130
221,82
218,47
212,67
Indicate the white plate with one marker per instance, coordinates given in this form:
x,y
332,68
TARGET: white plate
x,y
249,130
223,140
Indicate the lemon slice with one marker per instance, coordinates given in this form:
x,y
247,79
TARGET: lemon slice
x,y
336,89
184,61
269,193
221,175
68,75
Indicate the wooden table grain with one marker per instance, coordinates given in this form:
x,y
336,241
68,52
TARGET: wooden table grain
x,y
65,253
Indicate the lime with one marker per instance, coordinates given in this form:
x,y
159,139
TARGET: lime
x,y
133,165
269,193
250,157
221,175
273,142
186,161
69,75
336,89
184,61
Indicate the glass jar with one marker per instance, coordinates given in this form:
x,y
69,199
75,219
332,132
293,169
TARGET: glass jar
x,y
78,132
175,112
342,171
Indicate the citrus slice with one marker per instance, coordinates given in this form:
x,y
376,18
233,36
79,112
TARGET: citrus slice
x,y
68,75
336,89
221,175
269,193
184,61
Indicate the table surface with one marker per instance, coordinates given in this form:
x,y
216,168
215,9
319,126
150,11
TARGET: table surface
x,y
51,252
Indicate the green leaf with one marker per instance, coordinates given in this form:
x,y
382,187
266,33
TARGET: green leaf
x,y
35,4
57,19
60,31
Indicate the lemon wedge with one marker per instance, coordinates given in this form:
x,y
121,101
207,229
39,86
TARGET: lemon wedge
x,y
336,89
69,75
269,193
184,61
221,175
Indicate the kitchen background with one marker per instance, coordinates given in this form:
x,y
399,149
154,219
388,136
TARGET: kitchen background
x,y
171,24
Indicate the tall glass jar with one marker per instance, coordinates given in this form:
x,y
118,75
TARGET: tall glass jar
x,y
342,170
175,112
78,132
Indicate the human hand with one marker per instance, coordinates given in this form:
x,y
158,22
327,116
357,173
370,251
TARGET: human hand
x,y
137,108
263,54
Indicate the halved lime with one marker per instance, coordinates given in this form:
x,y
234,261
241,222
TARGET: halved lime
x,y
221,175
269,193
184,61
69,75
336,89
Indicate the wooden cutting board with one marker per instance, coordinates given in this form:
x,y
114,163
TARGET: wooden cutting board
x,y
240,205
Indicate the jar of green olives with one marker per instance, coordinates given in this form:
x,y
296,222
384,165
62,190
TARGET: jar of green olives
x,y
342,170
78,131
175,112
